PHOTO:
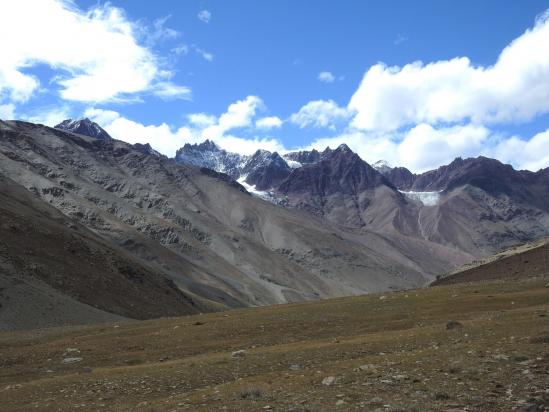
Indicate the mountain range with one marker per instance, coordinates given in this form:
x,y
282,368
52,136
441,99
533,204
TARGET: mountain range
x,y
121,220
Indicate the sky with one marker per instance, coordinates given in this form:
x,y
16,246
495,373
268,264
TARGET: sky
x,y
414,83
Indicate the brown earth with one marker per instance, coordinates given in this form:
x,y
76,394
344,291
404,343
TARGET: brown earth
x,y
390,352
531,259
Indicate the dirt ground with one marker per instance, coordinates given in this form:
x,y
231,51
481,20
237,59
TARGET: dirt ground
x,y
467,347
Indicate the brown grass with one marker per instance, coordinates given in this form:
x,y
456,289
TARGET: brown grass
x,y
498,360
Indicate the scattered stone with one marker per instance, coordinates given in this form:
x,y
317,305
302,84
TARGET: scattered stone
x,y
376,401
520,358
368,368
329,380
67,361
70,351
238,354
452,324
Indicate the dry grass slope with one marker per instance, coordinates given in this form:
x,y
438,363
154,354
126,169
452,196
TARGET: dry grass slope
x,y
379,352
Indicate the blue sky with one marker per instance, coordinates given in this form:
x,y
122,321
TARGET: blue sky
x,y
280,74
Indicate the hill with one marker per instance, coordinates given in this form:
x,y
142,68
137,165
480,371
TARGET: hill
x,y
463,347
526,260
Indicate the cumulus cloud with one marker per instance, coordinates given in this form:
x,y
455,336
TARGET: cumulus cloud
x,y
326,77
7,111
202,120
96,54
515,88
530,154
421,148
49,116
320,113
270,122
205,16
200,126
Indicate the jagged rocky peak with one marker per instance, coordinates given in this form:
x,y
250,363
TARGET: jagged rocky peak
x,y
84,127
302,157
206,146
382,166
265,170
147,149
207,154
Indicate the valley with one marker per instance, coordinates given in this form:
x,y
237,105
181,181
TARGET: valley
x,y
460,347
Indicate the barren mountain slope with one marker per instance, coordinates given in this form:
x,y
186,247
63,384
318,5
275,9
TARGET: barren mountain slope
x,y
527,260
54,271
201,228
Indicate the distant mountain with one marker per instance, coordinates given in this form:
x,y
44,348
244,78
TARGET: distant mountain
x,y
265,170
338,225
382,166
340,186
208,154
84,127
192,226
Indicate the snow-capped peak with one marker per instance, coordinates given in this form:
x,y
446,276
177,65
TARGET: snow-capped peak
x,y
382,166
83,126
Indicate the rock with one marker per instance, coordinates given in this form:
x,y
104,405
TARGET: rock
x,y
238,354
67,361
329,380
340,402
382,297
376,401
295,367
87,370
452,324
70,351
368,368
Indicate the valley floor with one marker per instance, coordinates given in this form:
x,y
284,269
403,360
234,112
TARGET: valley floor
x,y
391,352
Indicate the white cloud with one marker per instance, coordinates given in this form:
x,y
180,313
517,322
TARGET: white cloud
x,y
201,126
424,147
420,149
326,77
202,120
49,116
96,54
205,16
240,114
320,113
101,116
530,154
7,111
270,122
161,137
170,91
182,49
158,32
204,54
515,88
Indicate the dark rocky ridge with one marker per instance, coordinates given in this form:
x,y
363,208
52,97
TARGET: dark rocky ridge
x,y
84,127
